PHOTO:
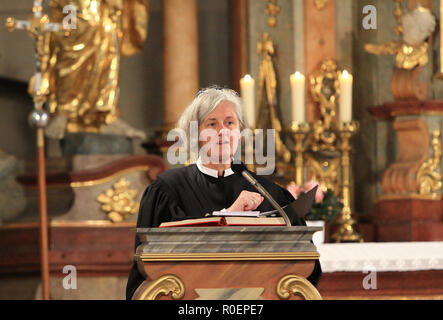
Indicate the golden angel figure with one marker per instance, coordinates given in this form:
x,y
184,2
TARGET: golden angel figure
x,y
418,25
81,72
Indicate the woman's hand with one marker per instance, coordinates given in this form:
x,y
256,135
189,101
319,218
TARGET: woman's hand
x,y
246,201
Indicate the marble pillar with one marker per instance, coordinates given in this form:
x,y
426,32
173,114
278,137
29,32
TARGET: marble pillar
x,y
180,50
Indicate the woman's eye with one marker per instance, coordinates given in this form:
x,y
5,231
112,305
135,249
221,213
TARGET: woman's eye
x,y
212,124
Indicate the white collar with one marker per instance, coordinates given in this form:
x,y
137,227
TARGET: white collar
x,y
212,172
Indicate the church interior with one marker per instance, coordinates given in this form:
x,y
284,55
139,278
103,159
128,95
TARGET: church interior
x,y
89,90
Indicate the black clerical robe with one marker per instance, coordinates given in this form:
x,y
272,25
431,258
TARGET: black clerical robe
x,y
187,193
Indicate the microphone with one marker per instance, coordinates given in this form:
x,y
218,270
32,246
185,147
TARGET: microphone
x,y
240,168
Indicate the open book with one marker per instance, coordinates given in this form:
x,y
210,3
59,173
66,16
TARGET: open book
x,y
226,221
243,213
300,207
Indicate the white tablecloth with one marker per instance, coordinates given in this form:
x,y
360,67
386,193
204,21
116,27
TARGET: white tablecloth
x,y
381,256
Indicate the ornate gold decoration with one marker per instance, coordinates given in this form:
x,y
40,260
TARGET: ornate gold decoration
x,y
325,90
428,177
83,63
39,28
325,171
407,56
164,286
346,232
268,115
221,256
296,285
10,24
321,151
328,146
118,202
320,4
273,10
412,51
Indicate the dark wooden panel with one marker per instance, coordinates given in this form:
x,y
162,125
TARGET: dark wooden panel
x,y
92,250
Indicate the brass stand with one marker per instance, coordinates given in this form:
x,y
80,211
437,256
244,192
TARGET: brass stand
x,y
346,232
299,133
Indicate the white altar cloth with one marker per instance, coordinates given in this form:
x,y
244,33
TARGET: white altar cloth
x,y
381,256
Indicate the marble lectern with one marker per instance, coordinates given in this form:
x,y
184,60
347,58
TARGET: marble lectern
x,y
222,263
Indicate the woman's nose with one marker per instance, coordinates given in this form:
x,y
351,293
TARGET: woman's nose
x,y
223,131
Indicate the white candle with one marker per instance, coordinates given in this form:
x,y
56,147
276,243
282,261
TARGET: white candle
x,y
345,111
298,98
247,88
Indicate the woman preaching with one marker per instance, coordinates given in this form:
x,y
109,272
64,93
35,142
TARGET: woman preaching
x,y
210,184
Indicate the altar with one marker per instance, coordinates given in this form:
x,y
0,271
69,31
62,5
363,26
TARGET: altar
x,y
384,270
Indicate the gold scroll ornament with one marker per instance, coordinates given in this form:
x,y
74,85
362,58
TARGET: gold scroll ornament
x,y
428,176
81,69
119,201
297,286
163,286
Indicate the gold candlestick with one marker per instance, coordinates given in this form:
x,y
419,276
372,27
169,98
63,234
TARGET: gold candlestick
x,y
249,151
299,133
346,232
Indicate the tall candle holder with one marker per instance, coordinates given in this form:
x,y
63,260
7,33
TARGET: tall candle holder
x,y
249,150
345,222
299,133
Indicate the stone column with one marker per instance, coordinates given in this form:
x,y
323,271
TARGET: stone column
x,y
180,50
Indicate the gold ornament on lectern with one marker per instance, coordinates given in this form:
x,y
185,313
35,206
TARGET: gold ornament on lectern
x,y
297,286
163,286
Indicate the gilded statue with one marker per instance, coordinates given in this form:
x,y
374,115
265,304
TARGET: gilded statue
x,y
268,116
429,179
81,71
417,26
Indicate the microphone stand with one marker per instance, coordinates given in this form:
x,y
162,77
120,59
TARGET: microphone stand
x,y
266,194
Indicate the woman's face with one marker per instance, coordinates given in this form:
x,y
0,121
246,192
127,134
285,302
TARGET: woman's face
x,y
219,134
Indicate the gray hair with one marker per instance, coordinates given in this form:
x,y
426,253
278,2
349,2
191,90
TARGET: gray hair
x,y
205,102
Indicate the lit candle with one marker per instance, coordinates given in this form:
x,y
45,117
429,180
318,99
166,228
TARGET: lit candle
x,y
247,88
298,98
345,113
